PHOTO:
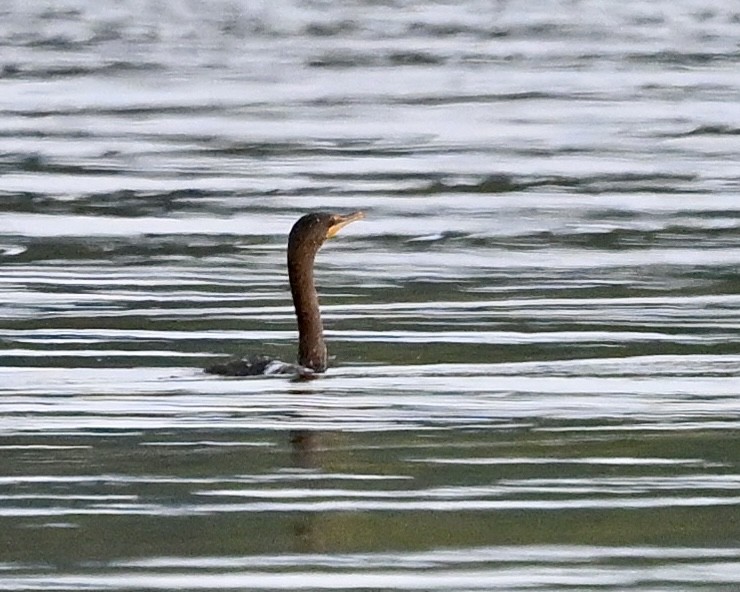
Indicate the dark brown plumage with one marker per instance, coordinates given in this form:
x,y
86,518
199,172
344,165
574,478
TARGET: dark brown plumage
x,y
304,241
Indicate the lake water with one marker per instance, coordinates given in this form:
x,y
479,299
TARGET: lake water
x,y
536,328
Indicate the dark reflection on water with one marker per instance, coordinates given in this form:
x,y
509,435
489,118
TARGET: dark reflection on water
x,y
305,444
535,329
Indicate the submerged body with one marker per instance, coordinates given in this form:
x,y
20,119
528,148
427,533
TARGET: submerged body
x,y
305,240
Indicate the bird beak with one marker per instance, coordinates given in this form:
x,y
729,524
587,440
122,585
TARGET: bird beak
x,y
342,221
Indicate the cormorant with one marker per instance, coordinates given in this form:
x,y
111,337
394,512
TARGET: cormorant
x,y
304,241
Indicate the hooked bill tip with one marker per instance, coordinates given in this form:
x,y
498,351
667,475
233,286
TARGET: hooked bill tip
x,y
343,221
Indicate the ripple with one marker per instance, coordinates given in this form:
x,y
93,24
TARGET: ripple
x,y
535,327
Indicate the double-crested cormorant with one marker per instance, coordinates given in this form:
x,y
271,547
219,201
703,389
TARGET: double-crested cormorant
x,y
305,240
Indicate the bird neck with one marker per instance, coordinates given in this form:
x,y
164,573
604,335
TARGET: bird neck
x,y
311,348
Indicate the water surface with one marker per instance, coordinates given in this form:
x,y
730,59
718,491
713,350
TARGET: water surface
x,y
535,330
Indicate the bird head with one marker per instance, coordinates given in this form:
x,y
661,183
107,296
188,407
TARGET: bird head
x,y
311,230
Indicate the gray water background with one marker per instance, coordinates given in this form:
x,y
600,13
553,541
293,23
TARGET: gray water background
x,y
535,330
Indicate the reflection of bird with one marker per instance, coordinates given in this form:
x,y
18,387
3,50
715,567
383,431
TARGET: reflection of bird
x,y
306,238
